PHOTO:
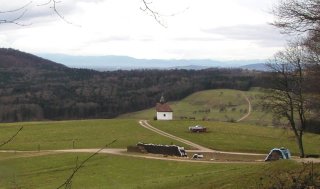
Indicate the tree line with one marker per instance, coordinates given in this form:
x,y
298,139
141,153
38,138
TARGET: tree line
x,y
32,88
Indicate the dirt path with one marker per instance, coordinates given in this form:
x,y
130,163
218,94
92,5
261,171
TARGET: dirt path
x,y
220,156
215,155
25,154
202,149
146,125
123,152
199,148
115,151
249,108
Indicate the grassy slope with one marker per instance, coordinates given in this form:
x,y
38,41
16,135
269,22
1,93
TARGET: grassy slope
x,y
115,172
195,105
106,171
86,134
244,136
224,105
239,137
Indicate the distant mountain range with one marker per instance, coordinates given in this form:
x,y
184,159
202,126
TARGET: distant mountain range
x,y
257,67
110,62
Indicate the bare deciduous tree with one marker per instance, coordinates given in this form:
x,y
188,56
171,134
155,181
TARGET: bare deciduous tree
x,y
20,12
156,15
288,99
297,67
298,15
53,5
302,18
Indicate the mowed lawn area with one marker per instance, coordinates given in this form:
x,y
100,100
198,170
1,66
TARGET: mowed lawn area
x,y
78,134
240,137
117,172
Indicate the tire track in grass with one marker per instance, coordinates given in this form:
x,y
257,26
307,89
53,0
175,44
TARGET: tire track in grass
x,y
198,147
249,108
146,125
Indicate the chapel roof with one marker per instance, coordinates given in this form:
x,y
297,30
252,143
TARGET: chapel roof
x,y
163,107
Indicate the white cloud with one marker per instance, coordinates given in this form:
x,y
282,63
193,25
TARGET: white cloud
x,y
264,35
229,29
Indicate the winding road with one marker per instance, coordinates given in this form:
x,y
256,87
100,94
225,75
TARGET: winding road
x,y
123,152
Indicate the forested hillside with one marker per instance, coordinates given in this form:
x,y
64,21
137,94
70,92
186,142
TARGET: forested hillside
x,y
32,88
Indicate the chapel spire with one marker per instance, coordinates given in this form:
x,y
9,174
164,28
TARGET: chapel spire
x,y
162,100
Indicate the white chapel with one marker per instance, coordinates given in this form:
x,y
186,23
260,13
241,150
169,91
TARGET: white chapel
x,y
164,112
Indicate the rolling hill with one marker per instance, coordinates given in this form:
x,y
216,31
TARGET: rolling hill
x,y
225,105
11,58
32,88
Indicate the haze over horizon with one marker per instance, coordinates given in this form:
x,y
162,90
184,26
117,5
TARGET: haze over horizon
x,y
111,62
216,30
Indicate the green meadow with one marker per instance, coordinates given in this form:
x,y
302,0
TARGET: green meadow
x,y
41,169
225,136
239,137
78,134
117,172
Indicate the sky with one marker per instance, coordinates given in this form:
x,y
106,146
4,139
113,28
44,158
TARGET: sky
x,y
188,29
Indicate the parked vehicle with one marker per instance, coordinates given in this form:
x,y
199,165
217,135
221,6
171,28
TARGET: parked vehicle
x,y
197,156
197,129
278,153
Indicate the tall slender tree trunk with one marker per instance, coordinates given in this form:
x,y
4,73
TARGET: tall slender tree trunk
x,y
300,143
298,135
